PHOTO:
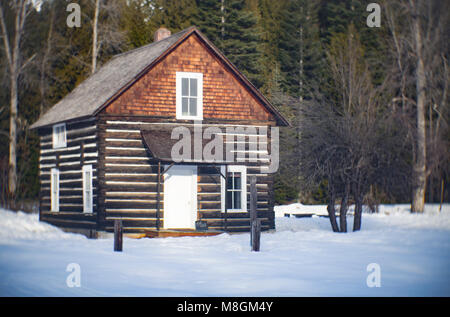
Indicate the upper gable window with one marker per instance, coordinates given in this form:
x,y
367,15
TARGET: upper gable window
x,y
59,135
189,96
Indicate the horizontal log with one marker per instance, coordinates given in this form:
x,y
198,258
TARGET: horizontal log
x,y
203,188
45,192
66,168
75,216
69,208
209,205
208,179
121,134
80,124
127,153
131,205
66,176
123,168
215,197
70,223
91,138
131,195
131,223
133,214
132,188
127,160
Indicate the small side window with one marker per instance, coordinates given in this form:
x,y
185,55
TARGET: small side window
x,y
59,136
87,188
234,189
54,189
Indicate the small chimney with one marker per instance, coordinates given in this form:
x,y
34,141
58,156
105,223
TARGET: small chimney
x,y
161,34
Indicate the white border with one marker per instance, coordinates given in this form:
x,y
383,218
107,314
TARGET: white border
x,y
199,77
54,201
240,169
54,138
87,168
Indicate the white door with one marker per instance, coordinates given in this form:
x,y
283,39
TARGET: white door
x,y
180,197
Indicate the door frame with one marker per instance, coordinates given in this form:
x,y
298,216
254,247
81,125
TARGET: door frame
x,y
193,211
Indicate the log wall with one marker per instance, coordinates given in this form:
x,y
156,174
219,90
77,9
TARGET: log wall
x,y
128,181
125,180
81,150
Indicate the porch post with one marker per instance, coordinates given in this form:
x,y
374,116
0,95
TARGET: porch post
x,y
226,200
158,196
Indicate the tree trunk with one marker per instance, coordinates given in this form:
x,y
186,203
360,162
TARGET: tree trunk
x,y
332,214
358,214
13,58
343,209
12,170
420,179
95,36
222,19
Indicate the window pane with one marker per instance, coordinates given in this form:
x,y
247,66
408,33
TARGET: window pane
x,y
193,106
88,200
55,180
237,200
230,181
193,87
237,181
87,179
184,106
185,86
229,199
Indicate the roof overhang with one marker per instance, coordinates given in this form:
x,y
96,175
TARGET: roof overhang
x,y
204,145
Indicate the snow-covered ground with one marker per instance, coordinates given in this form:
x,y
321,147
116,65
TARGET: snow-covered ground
x,y
301,258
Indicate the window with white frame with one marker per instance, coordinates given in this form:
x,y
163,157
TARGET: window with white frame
x,y
234,189
59,135
54,189
189,98
87,188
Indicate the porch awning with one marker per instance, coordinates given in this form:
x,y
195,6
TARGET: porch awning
x,y
206,145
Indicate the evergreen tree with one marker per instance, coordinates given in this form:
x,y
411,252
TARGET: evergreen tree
x,y
233,28
301,56
174,15
208,19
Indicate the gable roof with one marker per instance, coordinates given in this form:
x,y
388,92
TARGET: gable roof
x,y
120,72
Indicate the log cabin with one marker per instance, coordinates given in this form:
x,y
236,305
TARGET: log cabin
x,y
163,137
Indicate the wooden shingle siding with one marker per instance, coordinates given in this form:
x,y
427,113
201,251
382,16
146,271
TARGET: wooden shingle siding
x,y
81,150
224,96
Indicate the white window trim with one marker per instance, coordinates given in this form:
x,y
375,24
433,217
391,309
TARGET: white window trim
x,y
87,168
54,194
199,77
55,138
238,169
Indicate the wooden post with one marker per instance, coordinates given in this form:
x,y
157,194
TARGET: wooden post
x,y
158,195
226,200
442,195
118,235
256,234
253,200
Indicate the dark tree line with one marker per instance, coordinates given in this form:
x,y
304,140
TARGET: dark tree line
x,y
368,106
